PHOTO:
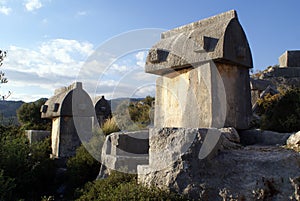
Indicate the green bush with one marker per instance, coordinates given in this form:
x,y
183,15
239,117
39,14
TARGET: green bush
x,y
81,168
29,116
133,116
281,112
25,168
139,111
120,186
7,188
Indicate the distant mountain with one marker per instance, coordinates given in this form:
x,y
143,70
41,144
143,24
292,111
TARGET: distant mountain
x,y
8,109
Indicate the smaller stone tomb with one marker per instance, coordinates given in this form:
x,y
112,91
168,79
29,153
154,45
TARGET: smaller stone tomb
x,y
290,59
103,110
125,151
71,110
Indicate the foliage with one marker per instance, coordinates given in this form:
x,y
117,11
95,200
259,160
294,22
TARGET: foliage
x,y
81,168
133,115
2,56
139,112
26,170
281,112
121,186
110,126
7,186
3,79
30,117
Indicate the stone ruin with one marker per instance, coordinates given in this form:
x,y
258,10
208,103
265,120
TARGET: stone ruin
x,y
290,58
288,72
199,145
124,151
71,110
36,135
103,110
204,83
194,146
286,75
204,74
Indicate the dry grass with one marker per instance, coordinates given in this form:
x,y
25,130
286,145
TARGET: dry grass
x,y
110,126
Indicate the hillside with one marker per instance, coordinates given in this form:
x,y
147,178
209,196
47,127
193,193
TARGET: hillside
x,y
8,109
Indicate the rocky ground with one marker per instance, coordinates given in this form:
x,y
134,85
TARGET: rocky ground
x,y
234,171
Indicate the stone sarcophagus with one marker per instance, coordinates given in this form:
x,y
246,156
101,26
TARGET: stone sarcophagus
x,y
290,58
71,110
103,110
204,75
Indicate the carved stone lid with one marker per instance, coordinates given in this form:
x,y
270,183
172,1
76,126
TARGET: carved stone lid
x,y
220,38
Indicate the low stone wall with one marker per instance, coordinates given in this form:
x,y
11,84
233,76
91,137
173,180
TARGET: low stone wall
x,y
125,151
36,135
284,72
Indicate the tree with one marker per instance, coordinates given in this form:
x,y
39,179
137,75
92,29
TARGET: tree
x,y
29,116
26,171
281,112
3,79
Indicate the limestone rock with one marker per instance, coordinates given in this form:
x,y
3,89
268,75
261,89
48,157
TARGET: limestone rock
x,y
231,134
293,141
260,137
243,173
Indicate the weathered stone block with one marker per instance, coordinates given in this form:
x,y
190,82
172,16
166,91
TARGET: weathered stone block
x,y
72,112
125,151
36,135
290,59
242,173
205,75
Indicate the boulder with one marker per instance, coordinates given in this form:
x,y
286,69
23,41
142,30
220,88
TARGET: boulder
x,y
227,172
231,134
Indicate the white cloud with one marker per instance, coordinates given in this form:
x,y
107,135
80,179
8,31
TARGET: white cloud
x,y
140,57
119,68
5,10
53,64
32,5
59,62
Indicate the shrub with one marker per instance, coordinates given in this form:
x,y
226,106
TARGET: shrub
x,y
8,186
29,116
81,168
120,186
28,166
133,115
281,112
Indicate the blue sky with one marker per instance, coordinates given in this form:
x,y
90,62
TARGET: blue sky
x,y
48,41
